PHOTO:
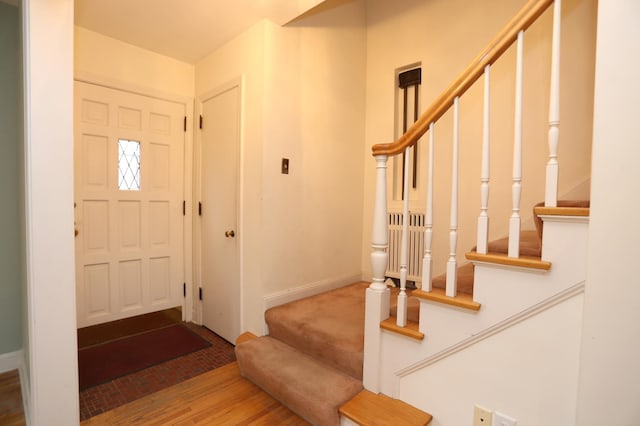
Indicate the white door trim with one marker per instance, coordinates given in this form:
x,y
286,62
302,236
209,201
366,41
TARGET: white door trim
x,y
188,313
236,82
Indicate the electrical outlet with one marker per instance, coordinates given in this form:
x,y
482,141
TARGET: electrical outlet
x,y
500,419
481,416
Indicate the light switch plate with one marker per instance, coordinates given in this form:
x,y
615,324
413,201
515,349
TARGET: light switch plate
x,y
284,168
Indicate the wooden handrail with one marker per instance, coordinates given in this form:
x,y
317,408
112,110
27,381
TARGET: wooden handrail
x,y
529,13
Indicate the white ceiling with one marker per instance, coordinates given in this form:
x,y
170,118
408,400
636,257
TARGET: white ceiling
x,y
187,30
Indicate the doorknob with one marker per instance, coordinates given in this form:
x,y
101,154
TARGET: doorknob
x,y
229,234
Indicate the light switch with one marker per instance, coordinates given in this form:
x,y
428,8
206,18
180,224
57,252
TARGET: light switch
x,y
284,169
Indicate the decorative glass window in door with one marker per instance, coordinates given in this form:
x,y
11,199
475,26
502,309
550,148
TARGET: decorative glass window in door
x,y
128,165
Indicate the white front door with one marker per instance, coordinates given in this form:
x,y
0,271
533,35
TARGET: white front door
x,y
129,168
219,234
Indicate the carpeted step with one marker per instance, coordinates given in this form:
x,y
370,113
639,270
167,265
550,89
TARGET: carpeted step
x,y
413,305
328,326
465,279
310,388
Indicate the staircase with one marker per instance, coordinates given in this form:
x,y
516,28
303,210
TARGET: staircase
x,y
312,359
322,351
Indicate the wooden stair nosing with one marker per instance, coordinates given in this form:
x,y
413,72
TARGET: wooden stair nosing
x,y
247,335
369,409
528,262
462,300
561,211
410,330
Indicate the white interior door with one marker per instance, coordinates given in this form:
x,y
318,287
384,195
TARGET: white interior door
x,y
219,268
129,171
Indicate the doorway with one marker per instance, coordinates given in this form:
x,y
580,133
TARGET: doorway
x,y
219,235
129,192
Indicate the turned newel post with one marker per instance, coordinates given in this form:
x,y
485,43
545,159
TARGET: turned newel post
x,y
379,235
377,298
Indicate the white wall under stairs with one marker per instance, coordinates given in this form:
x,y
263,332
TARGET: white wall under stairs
x,y
525,315
528,371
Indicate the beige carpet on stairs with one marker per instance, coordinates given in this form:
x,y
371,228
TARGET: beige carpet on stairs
x,y
311,389
328,326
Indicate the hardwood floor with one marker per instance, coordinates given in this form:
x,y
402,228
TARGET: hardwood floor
x,y
220,396
11,412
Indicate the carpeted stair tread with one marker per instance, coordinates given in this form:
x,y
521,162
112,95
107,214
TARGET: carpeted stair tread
x,y
328,326
413,305
465,279
308,387
530,245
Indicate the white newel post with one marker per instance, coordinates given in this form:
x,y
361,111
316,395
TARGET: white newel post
x,y
551,189
401,317
427,261
483,219
377,297
514,221
452,263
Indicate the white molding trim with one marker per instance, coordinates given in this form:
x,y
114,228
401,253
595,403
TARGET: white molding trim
x,y
281,297
11,361
24,389
16,361
564,219
87,77
495,329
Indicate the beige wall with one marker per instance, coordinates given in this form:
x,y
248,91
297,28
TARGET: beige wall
x,y
103,59
314,92
609,373
443,36
304,100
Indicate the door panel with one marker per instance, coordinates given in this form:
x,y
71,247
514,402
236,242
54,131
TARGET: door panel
x,y
129,172
220,141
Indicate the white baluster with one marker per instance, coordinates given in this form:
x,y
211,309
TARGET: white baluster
x,y
379,235
452,264
401,318
428,219
514,221
483,219
551,189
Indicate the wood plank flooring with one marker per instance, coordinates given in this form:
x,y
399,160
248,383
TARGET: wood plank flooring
x,y
220,396
11,411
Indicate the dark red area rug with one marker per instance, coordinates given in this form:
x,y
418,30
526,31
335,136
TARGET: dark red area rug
x,y
102,363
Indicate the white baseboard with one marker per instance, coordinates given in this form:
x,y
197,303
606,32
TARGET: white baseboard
x,y
15,361
11,361
307,290
24,389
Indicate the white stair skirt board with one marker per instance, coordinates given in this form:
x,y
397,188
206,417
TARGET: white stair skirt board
x,y
503,291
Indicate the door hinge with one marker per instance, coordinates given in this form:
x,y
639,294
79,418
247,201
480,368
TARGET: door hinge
x,y
199,208
184,290
184,207
201,121
200,293
185,123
